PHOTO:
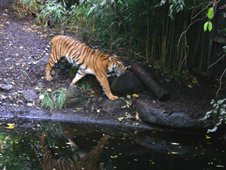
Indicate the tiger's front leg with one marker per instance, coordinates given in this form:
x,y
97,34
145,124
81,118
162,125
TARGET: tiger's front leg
x,y
106,88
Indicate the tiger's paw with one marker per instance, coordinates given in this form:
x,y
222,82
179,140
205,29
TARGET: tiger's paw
x,y
72,85
49,78
113,97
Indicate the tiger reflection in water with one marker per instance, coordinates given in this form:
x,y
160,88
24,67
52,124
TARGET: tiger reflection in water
x,y
79,160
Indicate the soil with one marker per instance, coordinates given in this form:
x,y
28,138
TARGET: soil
x,y
20,40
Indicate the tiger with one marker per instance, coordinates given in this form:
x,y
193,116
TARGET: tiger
x,y
78,161
88,60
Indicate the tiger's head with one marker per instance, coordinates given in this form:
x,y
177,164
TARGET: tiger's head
x,y
115,65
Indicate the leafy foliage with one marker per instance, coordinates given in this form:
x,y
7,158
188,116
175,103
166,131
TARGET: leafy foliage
x,y
25,7
208,24
175,6
218,113
85,85
59,97
54,100
46,101
52,10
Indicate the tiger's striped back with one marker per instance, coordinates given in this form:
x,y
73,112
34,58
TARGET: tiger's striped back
x,y
77,53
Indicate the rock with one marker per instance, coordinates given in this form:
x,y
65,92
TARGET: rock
x,y
30,95
5,87
150,114
180,119
126,83
75,96
114,106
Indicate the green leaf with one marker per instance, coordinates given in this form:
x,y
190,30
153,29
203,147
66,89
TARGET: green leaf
x,y
205,26
210,26
47,102
61,99
210,13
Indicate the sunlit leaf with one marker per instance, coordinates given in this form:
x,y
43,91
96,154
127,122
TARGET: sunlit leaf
x,y
175,143
205,26
135,95
210,26
174,153
49,90
10,126
207,136
190,86
114,156
220,166
120,119
137,117
210,13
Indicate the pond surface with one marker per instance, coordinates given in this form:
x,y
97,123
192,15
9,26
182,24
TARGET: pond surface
x,y
106,148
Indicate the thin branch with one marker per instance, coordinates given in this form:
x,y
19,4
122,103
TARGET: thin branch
x,y
204,9
193,22
185,31
221,77
201,4
217,61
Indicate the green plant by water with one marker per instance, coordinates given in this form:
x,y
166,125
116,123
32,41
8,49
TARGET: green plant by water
x,y
217,113
54,100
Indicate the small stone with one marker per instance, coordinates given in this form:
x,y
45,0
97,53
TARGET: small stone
x,y
5,87
29,104
76,97
114,106
30,95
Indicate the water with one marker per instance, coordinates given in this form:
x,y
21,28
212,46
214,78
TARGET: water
x,y
107,148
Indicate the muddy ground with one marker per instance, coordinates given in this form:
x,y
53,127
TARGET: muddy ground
x,y
23,80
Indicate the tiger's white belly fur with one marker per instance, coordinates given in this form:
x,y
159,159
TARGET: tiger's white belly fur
x,y
86,70
82,68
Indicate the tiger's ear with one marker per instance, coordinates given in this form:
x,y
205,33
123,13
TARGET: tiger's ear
x,y
114,56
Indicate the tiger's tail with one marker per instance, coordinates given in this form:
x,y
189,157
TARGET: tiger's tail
x,y
44,52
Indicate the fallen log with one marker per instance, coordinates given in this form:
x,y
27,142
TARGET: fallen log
x,y
149,82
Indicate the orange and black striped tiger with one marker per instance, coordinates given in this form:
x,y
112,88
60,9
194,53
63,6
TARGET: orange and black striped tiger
x,y
79,160
89,61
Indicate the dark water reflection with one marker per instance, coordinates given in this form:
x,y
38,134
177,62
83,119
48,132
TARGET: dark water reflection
x,y
90,147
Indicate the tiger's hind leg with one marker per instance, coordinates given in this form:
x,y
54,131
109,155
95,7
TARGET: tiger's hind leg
x,y
79,75
106,88
49,67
